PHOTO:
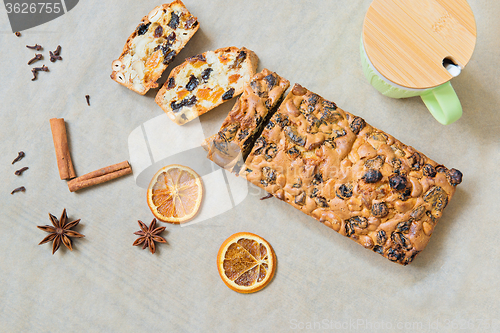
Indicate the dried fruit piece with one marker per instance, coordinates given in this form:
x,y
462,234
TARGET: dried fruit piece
x,y
375,163
228,94
380,209
174,21
372,176
300,199
344,191
437,198
269,176
188,101
378,249
158,31
399,239
192,84
358,222
272,80
429,171
416,161
454,177
441,169
143,28
270,151
205,75
357,125
242,55
349,229
293,135
381,237
394,255
171,83
398,182
171,38
404,226
169,57
191,23
418,212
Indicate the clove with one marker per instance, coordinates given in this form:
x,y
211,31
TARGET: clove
x,y
87,97
55,55
43,68
267,197
19,189
19,157
35,70
35,47
36,58
18,34
20,171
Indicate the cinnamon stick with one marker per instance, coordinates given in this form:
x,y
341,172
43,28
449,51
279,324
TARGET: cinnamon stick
x,y
59,136
100,176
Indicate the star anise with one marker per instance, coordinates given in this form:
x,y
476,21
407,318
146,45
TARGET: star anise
x,y
149,236
60,232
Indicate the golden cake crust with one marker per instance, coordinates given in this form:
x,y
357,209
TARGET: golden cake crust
x,y
354,178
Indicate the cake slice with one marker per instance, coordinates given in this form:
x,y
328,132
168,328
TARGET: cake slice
x,y
153,45
205,81
232,144
354,178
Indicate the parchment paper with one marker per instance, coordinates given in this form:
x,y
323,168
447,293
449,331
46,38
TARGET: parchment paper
x,y
324,281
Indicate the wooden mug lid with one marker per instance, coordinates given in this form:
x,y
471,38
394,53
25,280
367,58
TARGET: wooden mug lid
x,y
407,40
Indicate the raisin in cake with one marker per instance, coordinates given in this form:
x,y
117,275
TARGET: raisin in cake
x,y
232,144
354,178
205,81
153,45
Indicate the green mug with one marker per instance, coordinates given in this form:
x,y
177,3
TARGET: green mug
x,y
442,101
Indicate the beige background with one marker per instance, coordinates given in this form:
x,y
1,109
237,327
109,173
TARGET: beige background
x,y
106,285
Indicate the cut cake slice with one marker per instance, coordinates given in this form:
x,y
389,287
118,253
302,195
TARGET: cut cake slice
x,y
153,45
205,81
261,96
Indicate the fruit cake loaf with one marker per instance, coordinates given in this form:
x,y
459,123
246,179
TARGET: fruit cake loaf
x,y
153,45
354,178
205,81
232,144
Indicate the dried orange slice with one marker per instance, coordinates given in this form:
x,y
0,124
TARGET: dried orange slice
x,y
246,262
174,194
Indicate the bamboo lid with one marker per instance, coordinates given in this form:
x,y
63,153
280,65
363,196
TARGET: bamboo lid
x,y
407,40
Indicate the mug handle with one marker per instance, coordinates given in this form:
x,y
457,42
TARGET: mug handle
x,y
443,103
